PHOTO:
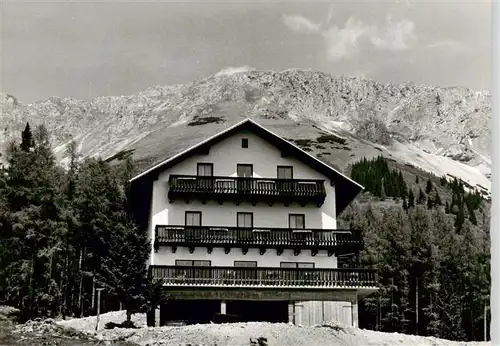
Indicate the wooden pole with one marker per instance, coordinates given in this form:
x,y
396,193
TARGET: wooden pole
x,y
93,293
323,311
98,307
485,318
416,307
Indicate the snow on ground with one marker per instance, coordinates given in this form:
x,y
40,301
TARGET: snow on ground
x,y
440,165
235,334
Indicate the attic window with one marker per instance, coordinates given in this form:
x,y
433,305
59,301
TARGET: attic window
x,y
244,142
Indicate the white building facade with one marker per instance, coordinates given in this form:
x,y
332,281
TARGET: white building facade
x,y
247,219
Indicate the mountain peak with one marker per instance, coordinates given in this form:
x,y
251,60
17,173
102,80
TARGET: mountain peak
x,y
439,124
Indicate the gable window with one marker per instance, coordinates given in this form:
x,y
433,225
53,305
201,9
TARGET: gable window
x,y
285,172
296,221
244,170
205,169
244,142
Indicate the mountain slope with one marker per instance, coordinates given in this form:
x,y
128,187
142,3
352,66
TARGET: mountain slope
x,y
441,130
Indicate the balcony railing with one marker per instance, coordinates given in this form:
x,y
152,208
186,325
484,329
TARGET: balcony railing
x,y
212,187
263,277
321,239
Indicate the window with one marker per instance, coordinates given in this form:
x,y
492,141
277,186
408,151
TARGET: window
x,y
191,263
244,220
244,170
244,142
245,264
285,172
195,273
296,221
297,264
193,218
205,169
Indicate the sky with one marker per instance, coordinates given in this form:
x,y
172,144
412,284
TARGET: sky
x,y
86,49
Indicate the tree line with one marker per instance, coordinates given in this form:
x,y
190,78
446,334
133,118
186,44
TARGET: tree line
x,y
432,258
66,232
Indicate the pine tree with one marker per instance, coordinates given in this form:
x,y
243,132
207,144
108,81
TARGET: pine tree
x,y
443,181
437,199
421,196
459,220
123,273
34,226
382,190
411,199
430,204
27,141
428,187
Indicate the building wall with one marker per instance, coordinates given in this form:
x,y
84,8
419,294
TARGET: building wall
x,y
265,158
219,258
225,156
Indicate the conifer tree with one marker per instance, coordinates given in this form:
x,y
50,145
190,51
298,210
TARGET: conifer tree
x,y
443,181
27,141
411,199
430,204
428,187
437,199
123,272
421,196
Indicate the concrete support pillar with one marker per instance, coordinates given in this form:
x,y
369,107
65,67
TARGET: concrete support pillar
x,y
355,322
157,317
223,307
291,312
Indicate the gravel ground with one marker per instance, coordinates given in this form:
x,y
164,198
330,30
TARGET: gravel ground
x,y
236,334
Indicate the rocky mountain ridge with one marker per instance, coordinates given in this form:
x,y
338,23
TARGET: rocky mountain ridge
x,y
443,130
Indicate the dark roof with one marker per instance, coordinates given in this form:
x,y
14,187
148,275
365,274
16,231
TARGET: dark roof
x,y
346,189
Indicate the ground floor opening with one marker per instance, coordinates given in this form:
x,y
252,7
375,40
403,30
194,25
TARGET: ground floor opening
x,y
206,311
258,311
189,311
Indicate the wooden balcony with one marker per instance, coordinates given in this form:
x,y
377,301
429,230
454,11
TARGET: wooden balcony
x,y
190,187
334,241
178,276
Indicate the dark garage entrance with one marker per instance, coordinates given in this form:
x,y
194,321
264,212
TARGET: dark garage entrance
x,y
190,311
258,311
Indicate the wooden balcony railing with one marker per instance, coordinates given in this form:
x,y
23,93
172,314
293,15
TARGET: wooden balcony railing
x,y
320,239
263,277
253,189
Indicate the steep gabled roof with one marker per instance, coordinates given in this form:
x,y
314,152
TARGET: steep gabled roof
x,y
346,189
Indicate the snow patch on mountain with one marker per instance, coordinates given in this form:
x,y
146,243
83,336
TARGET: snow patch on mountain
x,y
232,70
440,165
